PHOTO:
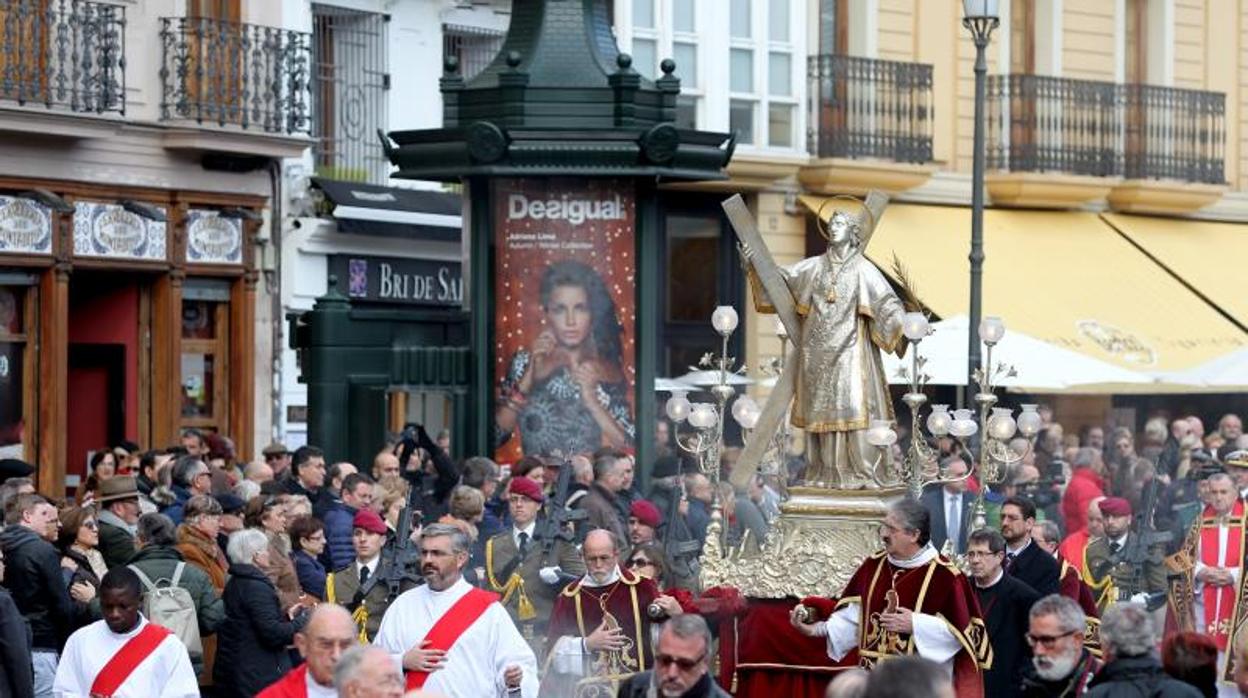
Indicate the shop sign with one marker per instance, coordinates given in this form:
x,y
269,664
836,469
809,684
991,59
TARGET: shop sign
x,y
108,230
398,280
25,226
212,238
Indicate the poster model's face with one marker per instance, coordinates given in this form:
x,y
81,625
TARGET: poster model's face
x,y
568,313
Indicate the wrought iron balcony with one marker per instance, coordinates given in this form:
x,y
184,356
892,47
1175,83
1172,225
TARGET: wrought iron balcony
x,y
1038,123
63,54
232,74
869,108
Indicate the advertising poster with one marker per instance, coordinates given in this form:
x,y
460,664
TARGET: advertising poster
x,y
565,316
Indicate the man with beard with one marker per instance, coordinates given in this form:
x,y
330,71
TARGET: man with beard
x,y
1109,572
361,586
682,658
1005,601
451,637
1037,568
1060,666
906,600
599,629
123,655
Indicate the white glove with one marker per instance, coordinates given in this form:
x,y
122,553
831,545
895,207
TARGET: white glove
x,y
1141,598
550,575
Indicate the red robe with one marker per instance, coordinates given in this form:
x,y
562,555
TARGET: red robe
x,y
1073,547
1074,588
937,588
294,684
577,612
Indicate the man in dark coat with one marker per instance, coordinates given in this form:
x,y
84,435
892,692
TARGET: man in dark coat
x,y
118,500
602,504
307,477
33,575
1024,559
1127,640
17,678
356,494
1005,601
1061,666
682,660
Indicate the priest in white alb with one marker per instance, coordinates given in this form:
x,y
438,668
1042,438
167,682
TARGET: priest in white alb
x,y
123,655
452,638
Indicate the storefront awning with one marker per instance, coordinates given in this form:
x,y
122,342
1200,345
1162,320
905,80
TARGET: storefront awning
x,y
1207,255
368,209
1066,278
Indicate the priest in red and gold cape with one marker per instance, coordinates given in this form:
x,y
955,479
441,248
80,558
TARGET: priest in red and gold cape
x,y
599,632
907,599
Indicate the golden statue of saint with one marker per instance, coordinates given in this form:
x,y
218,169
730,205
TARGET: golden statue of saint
x,y
848,313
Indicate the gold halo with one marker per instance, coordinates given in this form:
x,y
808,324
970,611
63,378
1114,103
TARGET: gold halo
x,y
822,224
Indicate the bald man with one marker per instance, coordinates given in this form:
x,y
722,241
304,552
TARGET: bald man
x,y
329,632
1075,544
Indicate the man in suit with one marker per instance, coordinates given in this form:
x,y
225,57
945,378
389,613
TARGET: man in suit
x,y
361,585
518,566
1024,559
951,507
1006,602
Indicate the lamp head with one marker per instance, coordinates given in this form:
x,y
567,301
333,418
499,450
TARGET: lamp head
x,y
724,319
981,9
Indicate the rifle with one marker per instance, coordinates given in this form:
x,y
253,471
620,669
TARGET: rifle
x,y
404,557
1138,553
554,527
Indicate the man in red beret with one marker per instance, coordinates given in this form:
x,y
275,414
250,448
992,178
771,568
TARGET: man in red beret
x,y
643,522
518,564
1121,567
360,586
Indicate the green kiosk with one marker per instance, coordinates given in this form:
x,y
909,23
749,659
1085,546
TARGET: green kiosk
x,y
560,146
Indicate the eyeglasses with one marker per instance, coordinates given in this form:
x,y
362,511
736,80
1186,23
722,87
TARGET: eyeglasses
x,y
976,554
639,562
683,663
1046,641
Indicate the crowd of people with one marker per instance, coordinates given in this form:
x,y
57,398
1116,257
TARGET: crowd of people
x,y
1098,562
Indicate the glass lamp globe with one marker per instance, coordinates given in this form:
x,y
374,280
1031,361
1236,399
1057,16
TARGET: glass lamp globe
x,y
678,407
880,434
974,9
964,424
1029,421
914,326
991,329
1001,425
703,416
742,408
724,319
939,421
750,418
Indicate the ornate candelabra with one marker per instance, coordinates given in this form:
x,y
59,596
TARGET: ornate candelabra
x,y
996,425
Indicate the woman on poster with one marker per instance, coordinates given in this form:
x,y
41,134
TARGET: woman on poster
x,y
568,393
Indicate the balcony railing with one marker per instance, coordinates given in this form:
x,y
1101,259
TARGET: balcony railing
x,y
868,108
63,54
233,74
1038,123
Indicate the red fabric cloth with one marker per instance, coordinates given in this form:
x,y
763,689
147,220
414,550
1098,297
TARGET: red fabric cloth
x,y
293,685
1071,549
771,658
825,607
1073,587
1084,486
619,601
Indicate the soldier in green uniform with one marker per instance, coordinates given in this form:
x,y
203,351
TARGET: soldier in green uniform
x,y
361,586
1118,567
519,567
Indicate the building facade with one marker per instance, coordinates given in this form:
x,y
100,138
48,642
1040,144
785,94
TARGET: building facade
x,y
138,175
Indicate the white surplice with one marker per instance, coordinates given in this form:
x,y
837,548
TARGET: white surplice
x,y
932,638
165,673
1225,689
475,664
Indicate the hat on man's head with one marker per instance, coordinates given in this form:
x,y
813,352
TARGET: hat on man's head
x,y
1115,506
646,512
274,449
1236,459
368,520
525,487
118,487
665,466
230,504
13,467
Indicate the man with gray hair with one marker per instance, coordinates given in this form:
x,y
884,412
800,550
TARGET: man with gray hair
x,y
1128,643
367,672
682,662
1060,665
452,637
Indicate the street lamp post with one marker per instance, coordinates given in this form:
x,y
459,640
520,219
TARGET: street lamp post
x,y
980,17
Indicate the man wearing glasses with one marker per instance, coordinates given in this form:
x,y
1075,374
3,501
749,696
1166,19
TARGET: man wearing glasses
x,y
1060,664
904,600
682,658
1005,601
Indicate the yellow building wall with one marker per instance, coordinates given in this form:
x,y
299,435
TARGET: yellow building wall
x,y
1189,38
1088,29
897,30
937,44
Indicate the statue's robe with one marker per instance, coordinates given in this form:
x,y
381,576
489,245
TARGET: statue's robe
x,y
948,625
849,313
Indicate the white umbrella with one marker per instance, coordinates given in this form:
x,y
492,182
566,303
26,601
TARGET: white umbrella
x,y
1227,371
711,377
671,385
1042,367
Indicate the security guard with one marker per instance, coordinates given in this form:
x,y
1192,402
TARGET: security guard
x,y
1117,568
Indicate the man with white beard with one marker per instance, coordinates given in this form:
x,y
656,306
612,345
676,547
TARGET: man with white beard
x,y
1060,665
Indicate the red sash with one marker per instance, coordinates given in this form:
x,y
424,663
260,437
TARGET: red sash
x,y
1219,602
451,625
130,656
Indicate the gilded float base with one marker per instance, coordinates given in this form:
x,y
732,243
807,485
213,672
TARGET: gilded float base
x,y
815,546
